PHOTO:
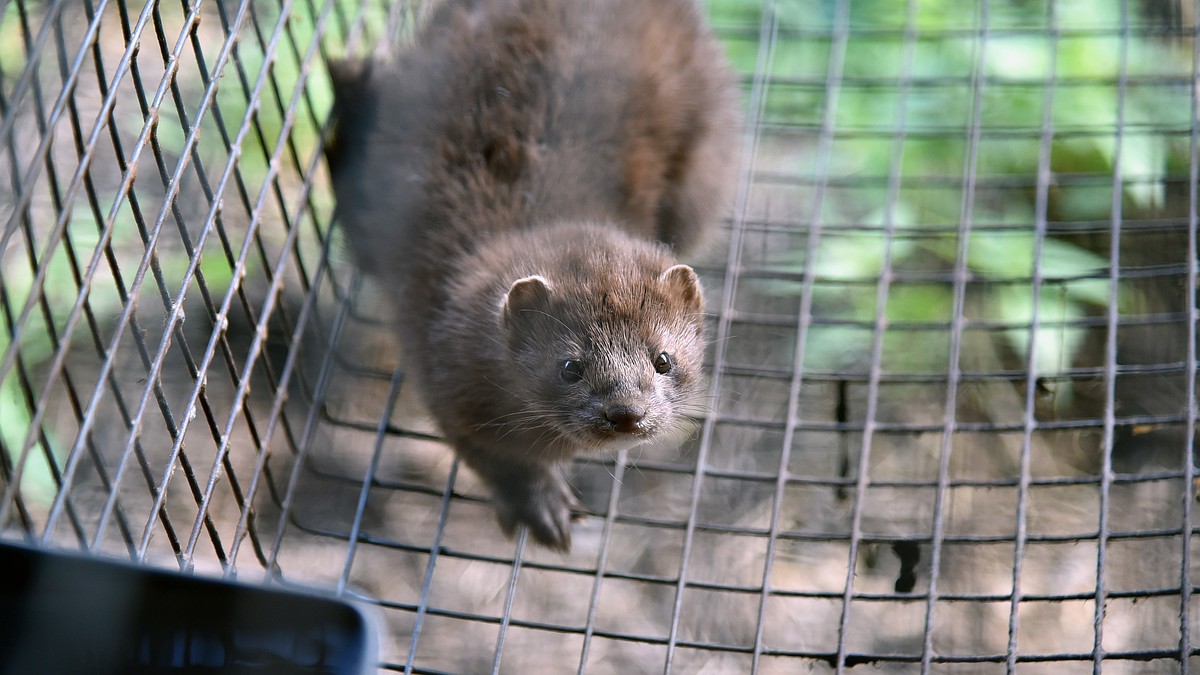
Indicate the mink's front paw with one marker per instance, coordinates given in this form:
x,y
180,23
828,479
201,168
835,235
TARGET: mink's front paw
x,y
544,503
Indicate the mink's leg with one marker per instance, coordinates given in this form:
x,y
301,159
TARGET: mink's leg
x,y
527,493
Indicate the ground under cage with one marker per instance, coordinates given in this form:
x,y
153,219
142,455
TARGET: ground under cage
x,y
952,367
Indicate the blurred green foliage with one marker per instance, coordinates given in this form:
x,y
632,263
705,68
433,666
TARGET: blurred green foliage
x,y
914,68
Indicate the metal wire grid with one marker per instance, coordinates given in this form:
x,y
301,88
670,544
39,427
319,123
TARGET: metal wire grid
x,y
838,509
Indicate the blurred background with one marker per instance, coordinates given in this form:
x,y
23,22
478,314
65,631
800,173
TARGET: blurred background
x,y
953,356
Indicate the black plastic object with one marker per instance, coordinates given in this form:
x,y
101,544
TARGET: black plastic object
x,y
65,613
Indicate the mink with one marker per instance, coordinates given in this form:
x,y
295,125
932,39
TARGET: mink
x,y
520,178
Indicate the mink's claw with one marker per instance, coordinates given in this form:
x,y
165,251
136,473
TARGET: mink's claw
x,y
546,507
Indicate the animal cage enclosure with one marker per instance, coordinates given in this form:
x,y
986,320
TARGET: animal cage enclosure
x,y
949,425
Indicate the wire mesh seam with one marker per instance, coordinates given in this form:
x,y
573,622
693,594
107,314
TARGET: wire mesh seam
x,y
958,320
1189,445
768,28
1110,345
1030,421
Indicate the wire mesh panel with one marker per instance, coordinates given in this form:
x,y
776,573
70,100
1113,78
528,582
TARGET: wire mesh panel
x,y
950,416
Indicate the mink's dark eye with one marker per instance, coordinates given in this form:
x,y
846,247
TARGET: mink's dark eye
x,y
571,370
663,364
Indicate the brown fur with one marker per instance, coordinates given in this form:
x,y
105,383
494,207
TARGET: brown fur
x,y
519,176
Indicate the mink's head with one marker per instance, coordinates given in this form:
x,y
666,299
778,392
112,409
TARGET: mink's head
x,y
607,358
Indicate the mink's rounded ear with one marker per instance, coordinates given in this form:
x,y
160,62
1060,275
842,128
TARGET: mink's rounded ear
x,y
349,78
683,284
347,75
528,294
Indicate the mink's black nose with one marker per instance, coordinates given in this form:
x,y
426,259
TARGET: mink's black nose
x,y
626,419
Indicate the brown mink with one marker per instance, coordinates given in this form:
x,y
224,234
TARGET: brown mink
x,y
519,178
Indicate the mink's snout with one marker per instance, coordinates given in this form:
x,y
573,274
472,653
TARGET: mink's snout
x,y
625,418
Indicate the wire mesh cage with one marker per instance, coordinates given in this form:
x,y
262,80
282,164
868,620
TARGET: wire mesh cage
x,y
952,362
